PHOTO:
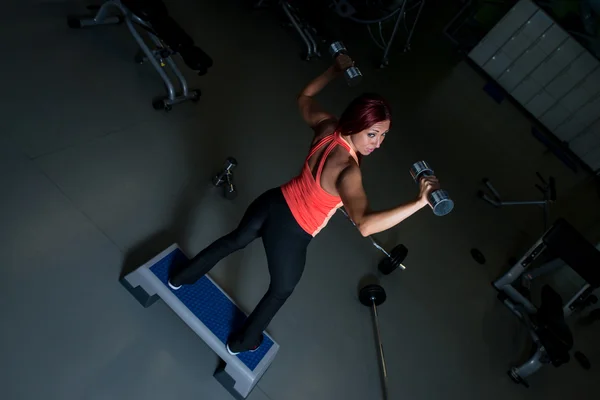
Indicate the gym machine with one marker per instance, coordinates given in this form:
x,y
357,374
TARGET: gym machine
x,y
225,178
305,30
166,35
548,190
372,296
550,334
303,18
312,20
396,11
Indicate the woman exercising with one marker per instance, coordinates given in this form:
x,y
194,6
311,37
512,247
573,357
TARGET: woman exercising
x,y
289,216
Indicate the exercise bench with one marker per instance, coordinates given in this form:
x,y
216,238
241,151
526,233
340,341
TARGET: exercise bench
x,y
209,312
551,336
153,19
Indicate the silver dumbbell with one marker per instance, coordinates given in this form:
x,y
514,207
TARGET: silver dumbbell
x,y
439,200
353,75
225,179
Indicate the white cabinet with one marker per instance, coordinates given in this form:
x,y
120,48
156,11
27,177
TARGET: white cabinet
x,y
587,142
549,73
552,38
557,61
511,22
578,122
483,51
572,75
540,103
520,68
592,159
555,116
516,18
583,65
526,90
497,64
583,92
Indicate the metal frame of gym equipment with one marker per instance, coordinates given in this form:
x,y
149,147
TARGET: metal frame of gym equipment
x,y
309,34
549,332
160,57
345,10
548,190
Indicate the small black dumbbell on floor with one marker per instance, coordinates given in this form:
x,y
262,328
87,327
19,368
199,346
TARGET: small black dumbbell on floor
x,y
439,200
225,179
393,259
352,74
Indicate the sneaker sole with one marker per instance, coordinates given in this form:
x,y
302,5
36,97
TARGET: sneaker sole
x,y
235,354
231,352
172,286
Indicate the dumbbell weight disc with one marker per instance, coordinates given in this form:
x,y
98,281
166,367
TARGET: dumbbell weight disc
x,y
442,204
371,293
217,180
397,256
231,161
335,48
353,76
230,192
420,168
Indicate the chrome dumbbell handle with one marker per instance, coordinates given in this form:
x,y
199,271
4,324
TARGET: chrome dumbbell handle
x,y
225,179
353,75
221,177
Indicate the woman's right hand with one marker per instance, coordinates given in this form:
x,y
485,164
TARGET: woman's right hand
x,y
427,184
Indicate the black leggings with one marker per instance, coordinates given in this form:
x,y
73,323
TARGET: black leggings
x,y
285,243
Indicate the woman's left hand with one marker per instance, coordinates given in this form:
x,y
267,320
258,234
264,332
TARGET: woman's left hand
x,y
343,62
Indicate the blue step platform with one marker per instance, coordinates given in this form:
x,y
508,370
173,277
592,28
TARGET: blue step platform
x,y
209,312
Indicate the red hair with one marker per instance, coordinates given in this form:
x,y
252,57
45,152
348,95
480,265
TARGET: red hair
x,y
363,112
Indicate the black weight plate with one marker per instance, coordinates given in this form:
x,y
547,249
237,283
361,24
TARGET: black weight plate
x,y
390,264
375,292
398,254
386,267
583,360
478,256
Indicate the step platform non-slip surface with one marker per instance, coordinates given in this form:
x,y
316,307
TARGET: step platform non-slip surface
x,y
209,312
207,302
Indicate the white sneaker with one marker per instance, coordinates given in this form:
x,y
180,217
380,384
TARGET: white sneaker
x,y
252,350
173,286
231,352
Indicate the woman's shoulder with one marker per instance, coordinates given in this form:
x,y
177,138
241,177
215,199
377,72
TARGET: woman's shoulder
x,y
349,172
325,128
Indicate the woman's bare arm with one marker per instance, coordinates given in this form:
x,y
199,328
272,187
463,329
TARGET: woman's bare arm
x,y
368,222
311,111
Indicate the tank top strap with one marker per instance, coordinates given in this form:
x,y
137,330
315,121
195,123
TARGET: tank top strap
x,y
320,144
338,138
328,150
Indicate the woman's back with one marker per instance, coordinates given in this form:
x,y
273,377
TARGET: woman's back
x,y
312,195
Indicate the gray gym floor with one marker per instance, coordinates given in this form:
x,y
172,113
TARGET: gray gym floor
x,y
95,179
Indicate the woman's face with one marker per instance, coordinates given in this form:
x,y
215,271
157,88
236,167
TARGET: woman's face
x,y
370,139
